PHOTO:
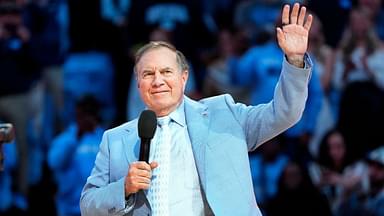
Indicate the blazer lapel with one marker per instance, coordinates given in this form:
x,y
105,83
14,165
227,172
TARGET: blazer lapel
x,y
132,154
197,119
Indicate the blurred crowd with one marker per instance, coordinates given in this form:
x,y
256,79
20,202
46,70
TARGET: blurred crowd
x,y
66,75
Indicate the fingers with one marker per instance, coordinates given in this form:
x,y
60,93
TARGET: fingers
x,y
141,169
308,22
153,165
295,13
301,18
140,165
141,173
285,16
138,177
135,180
135,183
280,37
297,16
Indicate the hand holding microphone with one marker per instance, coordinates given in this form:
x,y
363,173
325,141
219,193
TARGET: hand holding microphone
x,y
140,172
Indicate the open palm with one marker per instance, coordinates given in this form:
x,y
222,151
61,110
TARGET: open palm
x,y
293,36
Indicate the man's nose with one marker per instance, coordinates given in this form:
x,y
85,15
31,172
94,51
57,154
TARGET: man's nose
x,y
158,80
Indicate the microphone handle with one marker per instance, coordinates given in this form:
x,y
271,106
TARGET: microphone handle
x,y
144,150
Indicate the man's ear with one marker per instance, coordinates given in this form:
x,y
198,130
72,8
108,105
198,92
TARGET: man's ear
x,y
184,76
137,81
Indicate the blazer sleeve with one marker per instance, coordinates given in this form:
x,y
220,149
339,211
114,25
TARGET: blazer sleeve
x,y
264,121
99,195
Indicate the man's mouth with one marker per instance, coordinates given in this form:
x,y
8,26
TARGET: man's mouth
x,y
160,92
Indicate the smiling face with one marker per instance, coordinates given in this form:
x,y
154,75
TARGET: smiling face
x,y
161,81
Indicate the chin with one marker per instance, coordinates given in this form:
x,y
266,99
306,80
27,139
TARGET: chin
x,y
164,107
160,105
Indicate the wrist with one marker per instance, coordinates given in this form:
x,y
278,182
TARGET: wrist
x,y
296,60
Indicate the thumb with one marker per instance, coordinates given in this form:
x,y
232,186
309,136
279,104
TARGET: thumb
x,y
153,165
280,38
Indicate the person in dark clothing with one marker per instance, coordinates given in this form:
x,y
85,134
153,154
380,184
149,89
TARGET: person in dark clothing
x,y
18,71
297,195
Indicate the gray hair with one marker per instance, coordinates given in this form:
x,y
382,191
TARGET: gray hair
x,y
180,58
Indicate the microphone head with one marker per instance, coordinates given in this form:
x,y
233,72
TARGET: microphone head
x,y
147,124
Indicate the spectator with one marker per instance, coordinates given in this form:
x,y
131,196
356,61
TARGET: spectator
x,y
358,75
377,14
375,201
334,173
267,165
218,78
18,73
72,155
372,202
360,53
297,195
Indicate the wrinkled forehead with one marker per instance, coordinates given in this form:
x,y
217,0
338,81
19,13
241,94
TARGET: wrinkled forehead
x,y
157,58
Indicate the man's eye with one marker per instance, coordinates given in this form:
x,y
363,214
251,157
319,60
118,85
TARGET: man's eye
x,y
148,75
168,72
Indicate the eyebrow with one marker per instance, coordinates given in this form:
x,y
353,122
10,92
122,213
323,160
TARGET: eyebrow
x,y
146,70
167,68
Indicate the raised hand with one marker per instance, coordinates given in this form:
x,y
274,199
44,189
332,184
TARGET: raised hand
x,y
293,35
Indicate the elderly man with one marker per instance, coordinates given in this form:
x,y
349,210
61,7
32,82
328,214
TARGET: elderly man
x,y
198,159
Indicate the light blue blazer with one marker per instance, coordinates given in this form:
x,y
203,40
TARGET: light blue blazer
x,y
221,132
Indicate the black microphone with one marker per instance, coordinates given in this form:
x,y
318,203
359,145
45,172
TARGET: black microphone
x,y
147,127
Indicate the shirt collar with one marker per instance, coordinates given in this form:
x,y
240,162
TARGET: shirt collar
x,y
178,115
